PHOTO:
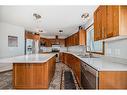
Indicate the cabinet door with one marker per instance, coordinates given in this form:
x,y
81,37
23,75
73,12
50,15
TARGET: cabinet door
x,y
95,26
109,32
66,42
77,38
112,21
103,21
82,37
21,70
115,21
61,57
39,73
62,42
98,24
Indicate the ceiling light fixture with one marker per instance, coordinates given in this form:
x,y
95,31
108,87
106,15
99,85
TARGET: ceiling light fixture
x,y
85,15
37,16
37,22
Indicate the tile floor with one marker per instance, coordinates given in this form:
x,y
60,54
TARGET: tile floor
x,y
56,83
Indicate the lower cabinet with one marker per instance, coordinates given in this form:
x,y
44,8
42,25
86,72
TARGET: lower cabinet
x,y
113,80
90,78
93,79
74,63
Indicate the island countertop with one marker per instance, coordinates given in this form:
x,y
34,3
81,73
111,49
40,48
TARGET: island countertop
x,y
31,58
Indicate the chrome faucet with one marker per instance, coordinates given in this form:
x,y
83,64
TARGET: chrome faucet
x,y
90,53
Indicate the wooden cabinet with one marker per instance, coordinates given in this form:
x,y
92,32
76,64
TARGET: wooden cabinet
x,y
100,23
50,42
101,79
113,80
61,57
45,42
33,75
30,35
81,37
78,38
21,71
110,21
74,63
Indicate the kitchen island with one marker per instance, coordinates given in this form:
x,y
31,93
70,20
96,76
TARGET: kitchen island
x,y
33,71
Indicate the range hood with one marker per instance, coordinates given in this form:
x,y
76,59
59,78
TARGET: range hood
x,y
56,40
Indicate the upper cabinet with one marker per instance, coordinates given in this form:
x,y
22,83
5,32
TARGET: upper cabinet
x,y
110,21
49,42
78,38
30,35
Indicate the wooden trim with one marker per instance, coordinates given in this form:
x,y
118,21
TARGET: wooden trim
x,y
103,51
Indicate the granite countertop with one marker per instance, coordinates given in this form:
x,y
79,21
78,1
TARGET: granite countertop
x,y
31,58
103,63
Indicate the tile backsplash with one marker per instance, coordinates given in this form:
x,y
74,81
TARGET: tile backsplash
x,y
49,49
116,48
77,48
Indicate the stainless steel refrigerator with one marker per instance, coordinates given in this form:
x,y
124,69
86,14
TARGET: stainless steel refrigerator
x,y
31,46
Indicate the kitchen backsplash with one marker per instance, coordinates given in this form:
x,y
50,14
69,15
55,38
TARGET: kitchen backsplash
x,y
49,49
116,48
45,49
63,49
77,48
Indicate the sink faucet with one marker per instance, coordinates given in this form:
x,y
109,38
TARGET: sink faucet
x,y
90,53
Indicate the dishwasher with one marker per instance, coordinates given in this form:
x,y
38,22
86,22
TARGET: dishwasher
x,y
89,77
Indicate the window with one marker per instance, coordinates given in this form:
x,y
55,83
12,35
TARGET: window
x,y
95,46
12,41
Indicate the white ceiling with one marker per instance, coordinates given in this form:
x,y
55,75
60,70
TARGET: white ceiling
x,y
67,18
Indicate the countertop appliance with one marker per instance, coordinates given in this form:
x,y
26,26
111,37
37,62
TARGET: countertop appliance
x,y
89,77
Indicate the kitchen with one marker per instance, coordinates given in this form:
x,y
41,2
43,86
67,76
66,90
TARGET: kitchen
x,y
77,47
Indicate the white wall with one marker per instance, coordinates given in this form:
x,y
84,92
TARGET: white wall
x,y
5,51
